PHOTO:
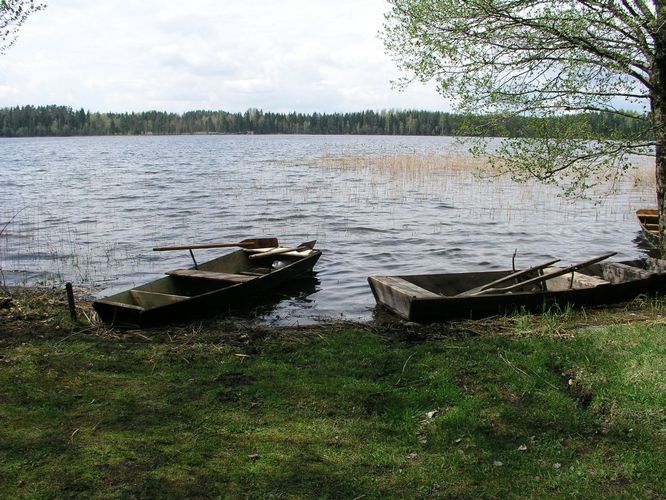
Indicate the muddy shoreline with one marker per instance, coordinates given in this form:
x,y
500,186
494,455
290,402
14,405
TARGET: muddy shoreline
x,y
28,312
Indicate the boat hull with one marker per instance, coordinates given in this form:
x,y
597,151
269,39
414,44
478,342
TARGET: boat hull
x,y
648,218
181,297
433,298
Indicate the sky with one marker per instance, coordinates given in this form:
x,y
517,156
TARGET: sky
x,y
174,55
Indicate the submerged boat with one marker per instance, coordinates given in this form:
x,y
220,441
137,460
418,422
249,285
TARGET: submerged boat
x,y
237,278
438,297
648,218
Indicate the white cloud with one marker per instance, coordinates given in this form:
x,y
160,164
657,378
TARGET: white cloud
x,y
171,55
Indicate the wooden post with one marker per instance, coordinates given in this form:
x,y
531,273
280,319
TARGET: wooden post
x,y
70,300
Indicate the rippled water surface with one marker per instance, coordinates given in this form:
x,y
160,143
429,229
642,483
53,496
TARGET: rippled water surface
x,y
89,210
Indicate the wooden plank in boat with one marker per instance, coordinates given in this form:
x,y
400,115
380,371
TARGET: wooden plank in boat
x,y
398,294
210,275
257,271
649,221
122,305
148,300
580,280
648,214
616,272
587,281
512,276
275,252
403,286
653,265
546,276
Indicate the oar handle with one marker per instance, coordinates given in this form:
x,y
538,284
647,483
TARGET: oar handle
x,y
265,242
194,247
517,274
548,276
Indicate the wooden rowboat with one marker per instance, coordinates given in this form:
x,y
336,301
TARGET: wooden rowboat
x,y
237,278
438,297
648,218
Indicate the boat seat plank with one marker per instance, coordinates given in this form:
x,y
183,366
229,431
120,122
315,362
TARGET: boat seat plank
x,y
148,300
123,305
403,286
210,275
257,271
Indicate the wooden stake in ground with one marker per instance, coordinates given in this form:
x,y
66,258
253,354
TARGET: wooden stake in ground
x,y
70,300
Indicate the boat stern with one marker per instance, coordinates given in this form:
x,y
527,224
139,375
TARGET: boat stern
x,y
398,295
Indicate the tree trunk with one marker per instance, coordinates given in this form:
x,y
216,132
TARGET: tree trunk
x,y
658,115
658,98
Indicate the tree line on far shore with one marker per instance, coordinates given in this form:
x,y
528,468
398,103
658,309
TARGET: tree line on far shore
x,y
41,121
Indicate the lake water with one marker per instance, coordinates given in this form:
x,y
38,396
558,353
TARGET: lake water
x,y
89,210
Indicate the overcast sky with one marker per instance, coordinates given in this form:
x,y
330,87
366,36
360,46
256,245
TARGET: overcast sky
x,y
175,55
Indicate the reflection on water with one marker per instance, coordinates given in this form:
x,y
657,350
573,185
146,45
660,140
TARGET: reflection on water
x,y
291,305
89,210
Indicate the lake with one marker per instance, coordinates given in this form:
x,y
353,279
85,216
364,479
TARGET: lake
x,y
90,210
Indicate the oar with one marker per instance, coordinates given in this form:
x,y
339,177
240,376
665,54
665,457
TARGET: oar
x,y
517,274
308,245
548,276
247,243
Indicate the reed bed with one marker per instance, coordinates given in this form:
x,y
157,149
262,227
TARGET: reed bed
x,y
417,168
460,179
643,177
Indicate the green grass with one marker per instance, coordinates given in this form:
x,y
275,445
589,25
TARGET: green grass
x,y
526,406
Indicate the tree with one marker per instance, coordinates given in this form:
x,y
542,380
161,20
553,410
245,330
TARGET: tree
x,y
13,13
552,59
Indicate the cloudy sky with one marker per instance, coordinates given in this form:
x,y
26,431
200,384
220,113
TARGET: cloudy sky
x,y
172,55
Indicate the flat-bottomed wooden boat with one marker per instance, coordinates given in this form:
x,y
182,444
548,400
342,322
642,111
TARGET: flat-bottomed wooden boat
x,y
237,278
648,218
439,297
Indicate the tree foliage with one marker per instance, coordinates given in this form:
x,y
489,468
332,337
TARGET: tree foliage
x,y
13,13
542,58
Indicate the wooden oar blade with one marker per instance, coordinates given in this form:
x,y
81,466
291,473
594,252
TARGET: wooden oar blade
x,y
251,243
308,245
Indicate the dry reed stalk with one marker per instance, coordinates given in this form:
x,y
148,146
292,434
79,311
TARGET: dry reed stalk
x,y
440,172
409,165
643,177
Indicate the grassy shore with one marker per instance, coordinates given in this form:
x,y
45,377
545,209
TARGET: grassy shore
x,y
562,404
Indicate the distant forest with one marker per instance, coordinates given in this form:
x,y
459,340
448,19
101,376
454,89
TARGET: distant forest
x,y
31,121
